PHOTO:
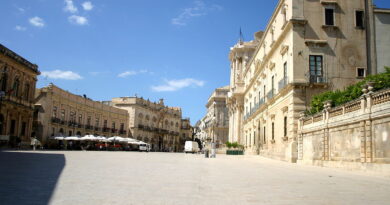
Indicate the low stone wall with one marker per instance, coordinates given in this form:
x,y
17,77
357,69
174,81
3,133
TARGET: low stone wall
x,y
354,135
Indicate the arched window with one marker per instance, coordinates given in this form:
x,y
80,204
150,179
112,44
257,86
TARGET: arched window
x,y
3,82
147,117
15,87
26,91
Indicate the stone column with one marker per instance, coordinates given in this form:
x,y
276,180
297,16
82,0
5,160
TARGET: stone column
x,y
300,135
326,145
369,143
363,141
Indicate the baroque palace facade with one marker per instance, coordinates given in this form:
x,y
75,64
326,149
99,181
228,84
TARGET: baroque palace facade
x,y
155,123
308,47
216,121
18,79
61,113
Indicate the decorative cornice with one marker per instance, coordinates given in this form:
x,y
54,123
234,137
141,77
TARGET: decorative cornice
x,y
7,52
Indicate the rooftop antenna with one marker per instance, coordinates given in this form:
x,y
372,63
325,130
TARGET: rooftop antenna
x,y
241,39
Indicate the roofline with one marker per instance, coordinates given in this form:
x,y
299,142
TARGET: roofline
x,y
261,41
381,10
8,52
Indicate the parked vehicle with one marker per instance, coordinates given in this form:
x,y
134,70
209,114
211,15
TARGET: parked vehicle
x,y
144,147
191,147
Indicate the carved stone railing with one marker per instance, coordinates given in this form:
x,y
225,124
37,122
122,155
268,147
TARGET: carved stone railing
x,y
353,106
358,114
336,112
381,97
318,117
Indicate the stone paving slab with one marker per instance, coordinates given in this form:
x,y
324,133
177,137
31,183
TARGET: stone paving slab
x,y
77,177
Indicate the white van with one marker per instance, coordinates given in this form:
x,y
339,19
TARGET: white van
x,y
191,147
144,147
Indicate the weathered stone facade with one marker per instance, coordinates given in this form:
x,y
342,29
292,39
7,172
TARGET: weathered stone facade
x,y
18,79
217,117
348,135
308,47
239,56
153,123
61,113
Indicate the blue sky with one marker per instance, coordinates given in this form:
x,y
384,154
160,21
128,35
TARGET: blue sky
x,y
171,49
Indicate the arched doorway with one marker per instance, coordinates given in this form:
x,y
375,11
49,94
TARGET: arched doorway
x,y
61,132
78,133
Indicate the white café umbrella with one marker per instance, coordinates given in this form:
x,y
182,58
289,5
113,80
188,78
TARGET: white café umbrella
x,y
73,138
101,138
89,138
115,138
58,138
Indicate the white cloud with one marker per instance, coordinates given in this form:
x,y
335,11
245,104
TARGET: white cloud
x,y
21,10
87,6
20,28
70,7
199,9
79,20
132,72
59,74
36,21
173,85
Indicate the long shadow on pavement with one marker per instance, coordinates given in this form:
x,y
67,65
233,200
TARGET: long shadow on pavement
x,y
29,178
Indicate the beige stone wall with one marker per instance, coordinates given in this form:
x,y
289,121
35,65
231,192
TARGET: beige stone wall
x,y
153,122
63,113
217,116
355,132
277,79
17,83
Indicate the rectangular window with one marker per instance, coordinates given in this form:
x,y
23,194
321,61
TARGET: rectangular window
x,y
329,16
12,128
315,68
285,126
105,124
26,92
272,84
55,112
285,71
97,122
264,136
273,131
80,118
361,72
89,120
63,115
254,137
23,130
359,18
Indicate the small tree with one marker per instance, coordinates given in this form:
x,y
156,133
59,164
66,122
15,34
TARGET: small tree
x,y
229,144
235,145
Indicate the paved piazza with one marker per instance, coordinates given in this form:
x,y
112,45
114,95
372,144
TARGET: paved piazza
x,y
77,177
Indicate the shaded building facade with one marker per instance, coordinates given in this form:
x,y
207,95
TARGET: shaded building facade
x,y
18,79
